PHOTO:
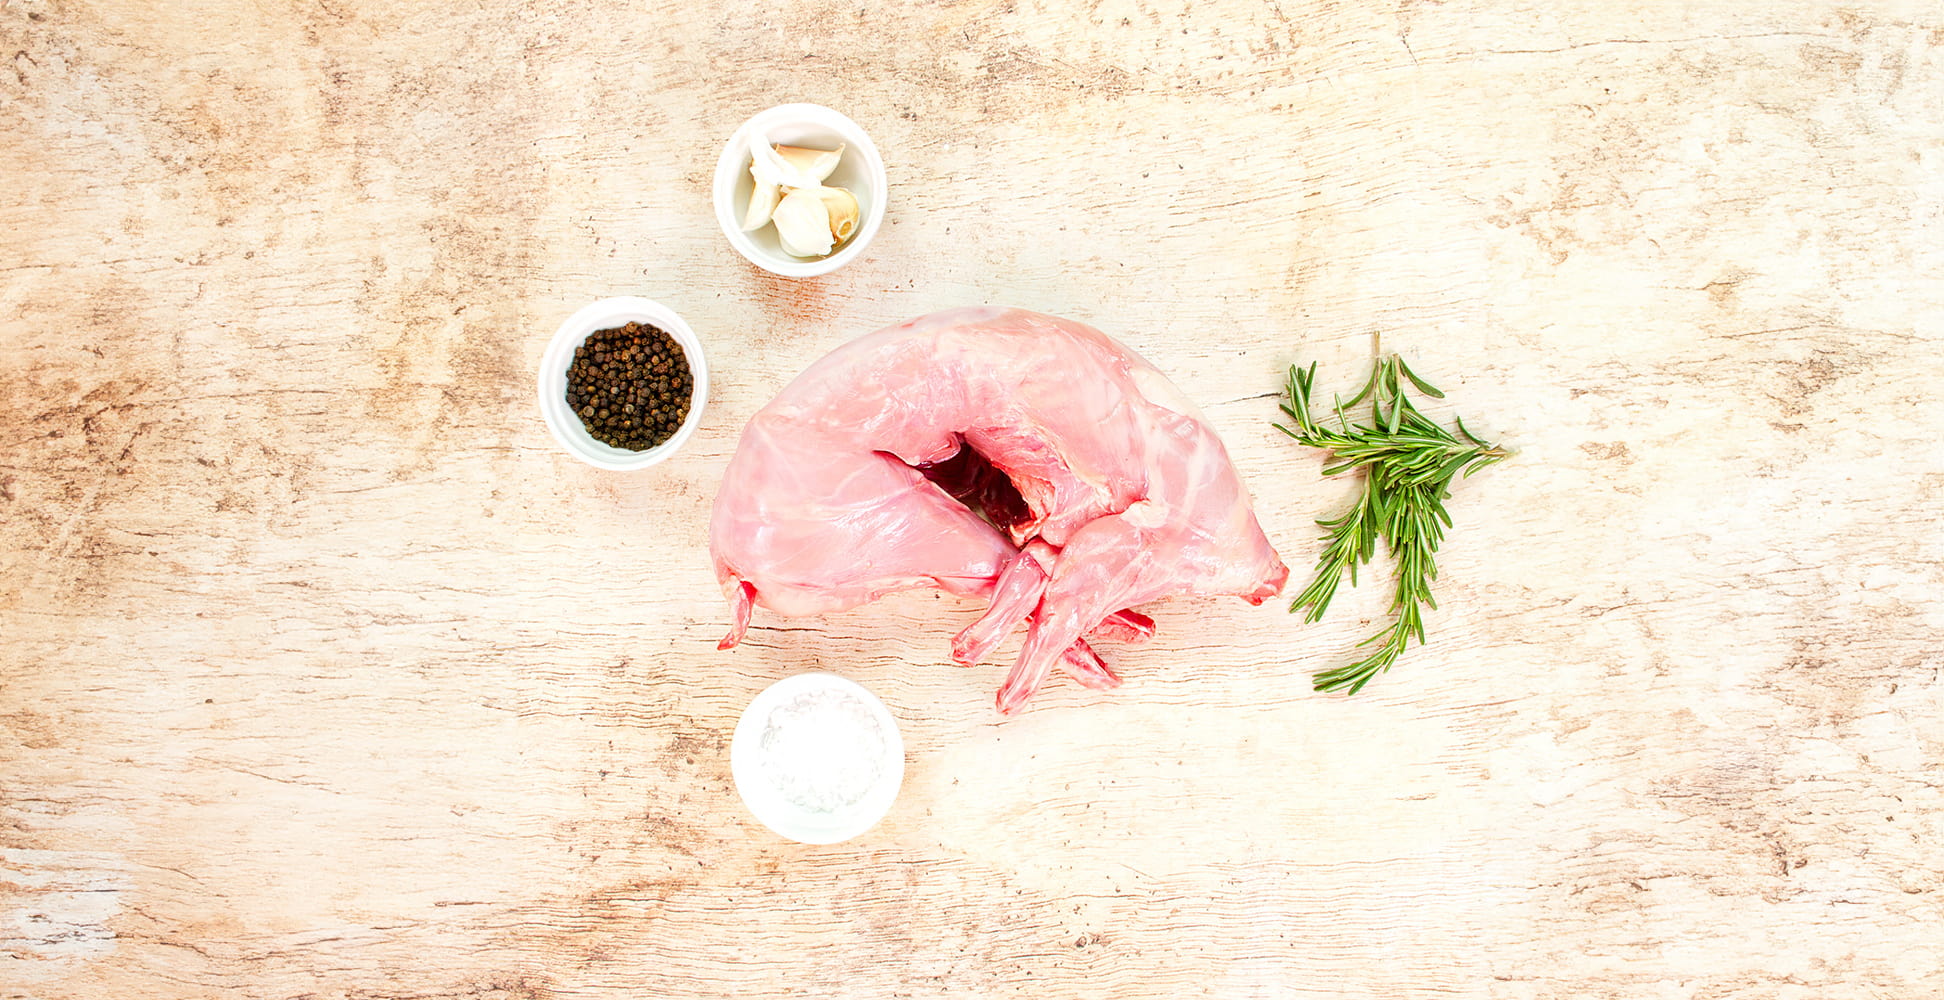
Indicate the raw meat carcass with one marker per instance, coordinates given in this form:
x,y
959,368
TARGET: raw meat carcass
x,y
992,453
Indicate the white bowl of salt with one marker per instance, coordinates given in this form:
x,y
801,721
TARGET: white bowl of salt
x,y
817,758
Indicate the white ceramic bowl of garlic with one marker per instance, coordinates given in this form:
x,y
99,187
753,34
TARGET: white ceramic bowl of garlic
x,y
817,758
858,171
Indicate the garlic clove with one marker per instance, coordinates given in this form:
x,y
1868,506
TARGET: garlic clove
x,y
769,167
803,223
762,202
815,164
842,206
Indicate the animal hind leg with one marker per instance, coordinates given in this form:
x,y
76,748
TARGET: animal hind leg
x,y
1087,667
1107,565
1013,599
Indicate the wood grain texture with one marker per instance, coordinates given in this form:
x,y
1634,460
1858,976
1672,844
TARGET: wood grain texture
x,y
325,674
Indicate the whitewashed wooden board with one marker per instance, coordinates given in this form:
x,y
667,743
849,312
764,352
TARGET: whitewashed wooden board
x,y
324,673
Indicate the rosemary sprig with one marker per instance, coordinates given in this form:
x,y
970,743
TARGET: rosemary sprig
x,y
1408,464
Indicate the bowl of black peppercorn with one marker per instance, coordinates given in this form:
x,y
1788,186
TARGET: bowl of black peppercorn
x,y
622,383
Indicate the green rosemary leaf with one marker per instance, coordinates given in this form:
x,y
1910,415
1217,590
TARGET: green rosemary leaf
x,y
1422,386
1368,387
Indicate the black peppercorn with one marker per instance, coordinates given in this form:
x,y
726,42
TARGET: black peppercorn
x,y
630,386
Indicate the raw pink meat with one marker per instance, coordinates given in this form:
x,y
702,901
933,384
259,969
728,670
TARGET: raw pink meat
x,y
991,453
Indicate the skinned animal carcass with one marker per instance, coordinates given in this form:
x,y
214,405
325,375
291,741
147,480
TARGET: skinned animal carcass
x,y
992,453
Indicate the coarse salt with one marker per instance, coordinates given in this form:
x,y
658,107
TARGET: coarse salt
x,y
822,751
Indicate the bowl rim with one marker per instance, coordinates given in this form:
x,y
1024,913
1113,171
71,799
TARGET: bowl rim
x,y
551,383
778,815
735,159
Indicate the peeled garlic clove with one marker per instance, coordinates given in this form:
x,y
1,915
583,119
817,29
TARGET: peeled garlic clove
x,y
842,206
815,164
803,223
762,202
769,167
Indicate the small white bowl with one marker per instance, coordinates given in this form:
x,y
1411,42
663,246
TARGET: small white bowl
x,y
603,315
860,171
829,729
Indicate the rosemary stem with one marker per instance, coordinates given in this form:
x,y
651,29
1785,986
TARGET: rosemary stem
x,y
1408,464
